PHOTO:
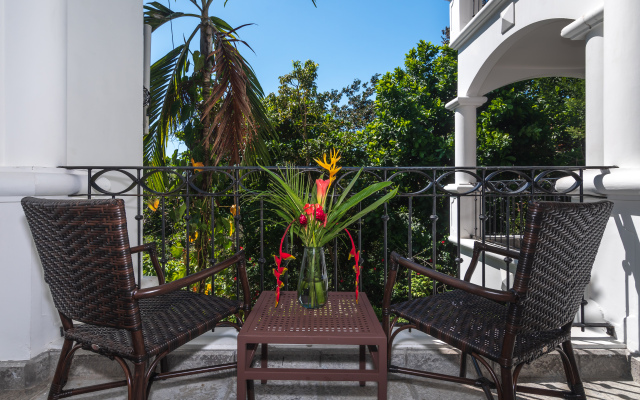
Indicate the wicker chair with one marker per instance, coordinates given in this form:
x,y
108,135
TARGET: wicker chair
x,y
516,326
84,250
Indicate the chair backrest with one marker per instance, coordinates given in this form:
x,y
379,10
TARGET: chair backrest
x,y
84,250
558,250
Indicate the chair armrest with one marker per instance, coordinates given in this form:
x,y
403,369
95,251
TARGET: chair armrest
x,y
153,254
479,247
492,294
197,277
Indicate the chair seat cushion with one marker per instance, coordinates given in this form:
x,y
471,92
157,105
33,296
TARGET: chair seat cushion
x,y
474,324
168,321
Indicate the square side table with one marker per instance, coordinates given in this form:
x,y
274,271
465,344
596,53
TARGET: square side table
x,y
340,322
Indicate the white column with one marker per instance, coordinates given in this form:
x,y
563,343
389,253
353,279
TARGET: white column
x,y
589,27
622,83
594,94
465,136
465,156
621,120
35,83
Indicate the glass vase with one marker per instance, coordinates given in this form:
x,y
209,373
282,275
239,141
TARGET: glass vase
x,y
313,284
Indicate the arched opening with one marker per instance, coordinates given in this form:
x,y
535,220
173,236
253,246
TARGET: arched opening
x,y
535,51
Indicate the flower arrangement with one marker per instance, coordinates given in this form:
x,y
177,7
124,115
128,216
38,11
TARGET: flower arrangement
x,y
316,223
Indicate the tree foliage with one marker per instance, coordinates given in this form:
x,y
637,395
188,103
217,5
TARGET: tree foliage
x,y
533,122
411,126
308,122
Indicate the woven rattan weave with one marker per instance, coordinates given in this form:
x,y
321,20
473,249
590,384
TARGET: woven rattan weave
x,y
84,250
341,315
517,326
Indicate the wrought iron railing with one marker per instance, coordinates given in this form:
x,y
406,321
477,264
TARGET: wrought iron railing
x,y
415,223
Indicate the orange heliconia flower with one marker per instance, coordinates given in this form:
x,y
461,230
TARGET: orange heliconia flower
x,y
334,157
322,187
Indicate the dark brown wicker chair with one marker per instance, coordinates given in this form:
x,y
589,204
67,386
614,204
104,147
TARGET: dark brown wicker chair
x,y
516,326
85,253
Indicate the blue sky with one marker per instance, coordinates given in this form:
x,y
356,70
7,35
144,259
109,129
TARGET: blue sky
x,y
348,38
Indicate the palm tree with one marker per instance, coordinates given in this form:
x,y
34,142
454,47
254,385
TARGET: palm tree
x,y
219,104
217,109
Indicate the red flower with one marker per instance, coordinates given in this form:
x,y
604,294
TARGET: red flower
x,y
320,215
356,255
279,270
303,220
443,242
309,208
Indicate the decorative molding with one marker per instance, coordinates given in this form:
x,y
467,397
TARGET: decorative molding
x,y
488,11
42,181
578,29
465,101
616,182
508,17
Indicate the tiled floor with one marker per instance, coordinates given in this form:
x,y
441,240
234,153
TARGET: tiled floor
x,y
223,385
400,388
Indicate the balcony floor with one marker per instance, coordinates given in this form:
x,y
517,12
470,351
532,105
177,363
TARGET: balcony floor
x,y
400,388
602,361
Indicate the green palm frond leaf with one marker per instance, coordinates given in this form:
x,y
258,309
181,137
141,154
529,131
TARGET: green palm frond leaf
x,y
156,15
290,191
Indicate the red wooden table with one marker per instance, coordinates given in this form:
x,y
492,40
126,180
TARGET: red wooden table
x,y
340,322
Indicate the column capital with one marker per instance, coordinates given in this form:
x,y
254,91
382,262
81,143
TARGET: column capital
x,y
578,29
465,101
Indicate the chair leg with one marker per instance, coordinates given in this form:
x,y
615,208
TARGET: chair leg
x,y
164,365
571,371
62,369
463,365
139,386
508,390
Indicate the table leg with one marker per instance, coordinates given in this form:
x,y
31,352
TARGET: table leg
x,y
363,363
241,387
251,395
263,361
382,371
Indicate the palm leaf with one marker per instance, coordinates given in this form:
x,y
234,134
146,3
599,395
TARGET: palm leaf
x,y
339,211
346,191
285,188
156,15
240,125
341,226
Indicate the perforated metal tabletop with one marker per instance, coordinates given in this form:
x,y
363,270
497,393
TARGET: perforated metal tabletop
x,y
341,321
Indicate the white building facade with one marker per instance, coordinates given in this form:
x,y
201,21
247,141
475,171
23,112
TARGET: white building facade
x,y
500,42
71,93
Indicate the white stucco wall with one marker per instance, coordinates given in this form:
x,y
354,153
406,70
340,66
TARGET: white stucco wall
x,y
70,94
615,281
104,82
491,56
